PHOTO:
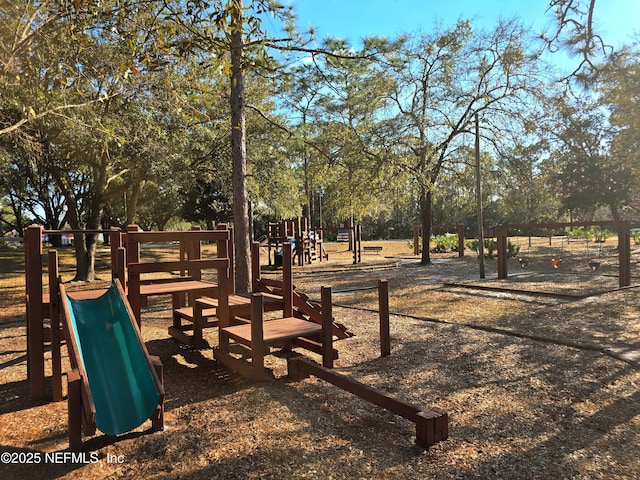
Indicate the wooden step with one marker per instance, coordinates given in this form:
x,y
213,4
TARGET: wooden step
x,y
186,313
180,334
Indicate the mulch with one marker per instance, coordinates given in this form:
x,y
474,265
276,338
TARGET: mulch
x,y
530,384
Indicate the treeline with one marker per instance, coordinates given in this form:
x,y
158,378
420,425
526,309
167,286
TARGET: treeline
x,y
114,113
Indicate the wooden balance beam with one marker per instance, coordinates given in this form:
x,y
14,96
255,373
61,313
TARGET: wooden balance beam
x,y
432,425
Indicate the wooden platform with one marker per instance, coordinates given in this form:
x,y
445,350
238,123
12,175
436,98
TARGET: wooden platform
x,y
258,335
275,331
241,304
201,316
185,286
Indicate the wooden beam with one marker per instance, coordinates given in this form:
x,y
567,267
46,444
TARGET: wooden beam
x,y
431,424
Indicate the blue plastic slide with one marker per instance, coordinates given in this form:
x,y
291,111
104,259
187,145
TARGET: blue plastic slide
x,y
119,373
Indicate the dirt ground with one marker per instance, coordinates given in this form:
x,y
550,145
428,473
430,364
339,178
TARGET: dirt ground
x,y
539,373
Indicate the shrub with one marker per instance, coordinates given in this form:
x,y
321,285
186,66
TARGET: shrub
x,y
410,243
582,232
601,235
598,234
442,243
491,247
445,243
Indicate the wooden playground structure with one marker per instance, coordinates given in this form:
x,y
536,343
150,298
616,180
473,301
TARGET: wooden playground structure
x,y
308,243
202,303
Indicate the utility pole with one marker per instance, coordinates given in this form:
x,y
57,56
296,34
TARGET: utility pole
x,y
479,201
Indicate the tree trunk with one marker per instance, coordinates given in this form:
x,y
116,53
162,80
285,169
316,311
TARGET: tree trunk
x,y
615,212
239,153
85,247
85,244
425,219
132,202
85,263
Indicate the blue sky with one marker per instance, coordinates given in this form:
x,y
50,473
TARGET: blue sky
x,y
616,20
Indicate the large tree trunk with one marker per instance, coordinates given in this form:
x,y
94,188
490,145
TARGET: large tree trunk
x,y
85,250
85,245
425,219
132,202
615,212
239,153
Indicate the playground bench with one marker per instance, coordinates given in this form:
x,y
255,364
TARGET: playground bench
x,y
372,248
343,236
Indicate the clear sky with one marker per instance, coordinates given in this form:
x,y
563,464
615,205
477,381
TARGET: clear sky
x,y
616,20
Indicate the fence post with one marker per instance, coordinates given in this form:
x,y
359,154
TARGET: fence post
x,y
327,327
501,234
460,229
416,240
383,309
624,254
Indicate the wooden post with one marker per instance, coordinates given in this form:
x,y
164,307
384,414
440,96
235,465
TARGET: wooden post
x,y
297,235
35,311
287,280
416,240
255,266
74,410
383,311
194,251
327,327
501,237
54,316
118,260
157,420
120,269
114,245
357,244
133,284
225,282
133,248
352,244
232,262
624,254
460,229
257,336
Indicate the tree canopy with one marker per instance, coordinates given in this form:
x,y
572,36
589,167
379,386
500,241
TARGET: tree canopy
x,y
119,111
